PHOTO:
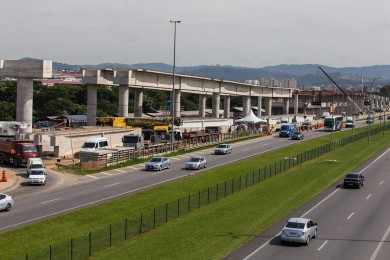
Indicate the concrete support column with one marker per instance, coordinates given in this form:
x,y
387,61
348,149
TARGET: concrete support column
x,y
287,106
296,104
202,106
246,105
24,102
226,106
268,106
177,103
216,105
259,105
138,101
123,101
91,104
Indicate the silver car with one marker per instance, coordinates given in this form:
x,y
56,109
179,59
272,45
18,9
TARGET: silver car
x,y
223,149
196,163
299,230
158,164
6,202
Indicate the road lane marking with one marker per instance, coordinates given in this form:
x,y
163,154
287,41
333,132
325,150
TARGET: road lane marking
x,y
314,207
381,182
91,176
120,171
350,215
49,201
378,248
111,185
323,245
368,196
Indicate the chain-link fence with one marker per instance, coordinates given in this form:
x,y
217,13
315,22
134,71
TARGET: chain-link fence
x,y
99,239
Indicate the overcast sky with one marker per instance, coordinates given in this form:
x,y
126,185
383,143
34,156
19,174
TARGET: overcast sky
x,y
231,32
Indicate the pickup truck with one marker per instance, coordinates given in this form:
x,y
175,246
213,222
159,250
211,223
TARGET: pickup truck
x,y
353,180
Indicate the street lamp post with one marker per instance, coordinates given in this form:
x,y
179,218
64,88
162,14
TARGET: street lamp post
x,y
173,105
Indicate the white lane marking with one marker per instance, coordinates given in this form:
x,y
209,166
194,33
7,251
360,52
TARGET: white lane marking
x,y
322,245
368,196
112,184
350,215
384,237
314,207
49,201
108,173
381,182
92,176
120,171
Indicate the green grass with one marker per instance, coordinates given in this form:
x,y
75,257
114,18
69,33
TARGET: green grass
x,y
39,235
215,230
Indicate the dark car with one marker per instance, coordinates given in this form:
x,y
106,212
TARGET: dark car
x,y
297,136
353,180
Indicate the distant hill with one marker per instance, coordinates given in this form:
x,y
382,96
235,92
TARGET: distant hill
x,y
306,74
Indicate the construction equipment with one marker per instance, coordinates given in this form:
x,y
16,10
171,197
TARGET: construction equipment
x,y
342,90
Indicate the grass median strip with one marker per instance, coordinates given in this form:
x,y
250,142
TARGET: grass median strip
x,y
82,221
214,231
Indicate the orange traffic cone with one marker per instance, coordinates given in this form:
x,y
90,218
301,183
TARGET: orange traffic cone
x,y
3,177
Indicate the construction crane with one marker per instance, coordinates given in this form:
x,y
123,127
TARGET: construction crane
x,y
342,90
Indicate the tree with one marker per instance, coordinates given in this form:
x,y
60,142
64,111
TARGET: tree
x,y
385,91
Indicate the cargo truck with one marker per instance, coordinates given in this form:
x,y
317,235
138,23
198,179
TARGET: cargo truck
x,y
17,152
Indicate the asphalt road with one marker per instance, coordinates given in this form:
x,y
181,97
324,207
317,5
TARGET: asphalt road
x,y
35,204
353,223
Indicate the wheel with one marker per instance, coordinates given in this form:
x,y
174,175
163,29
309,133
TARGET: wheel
x,y
307,240
8,207
315,234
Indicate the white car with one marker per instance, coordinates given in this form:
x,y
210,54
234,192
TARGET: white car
x,y
223,149
37,176
299,230
196,163
158,164
6,202
34,163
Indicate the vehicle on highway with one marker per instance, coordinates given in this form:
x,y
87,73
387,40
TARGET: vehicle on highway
x,y
297,136
6,202
286,130
370,118
17,152
354,179
37,177
34,163
158,164
349,122
223,149
94,144
196,163
299,230
333,123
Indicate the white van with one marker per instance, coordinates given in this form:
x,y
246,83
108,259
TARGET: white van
x,y
34,163
95,144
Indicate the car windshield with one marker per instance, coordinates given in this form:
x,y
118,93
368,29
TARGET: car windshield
x,y
195,159
36,166
295,225
352,176
89,145
285,128
131,139
156,159
223,146
37,173
30,149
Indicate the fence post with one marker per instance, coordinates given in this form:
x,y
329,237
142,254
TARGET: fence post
x,y
89,244
189,203
225,189
166,212
154,218
140,224
178,207
50,252
198,199
232,185
208,195
26,256
71,249
110,238
216,194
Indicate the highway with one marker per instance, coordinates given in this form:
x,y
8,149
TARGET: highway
x,y
35,203
353,223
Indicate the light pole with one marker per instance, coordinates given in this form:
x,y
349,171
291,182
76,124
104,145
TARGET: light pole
x,y
173,107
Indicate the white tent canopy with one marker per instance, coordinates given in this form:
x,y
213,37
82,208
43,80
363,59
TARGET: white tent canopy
x,y
251,118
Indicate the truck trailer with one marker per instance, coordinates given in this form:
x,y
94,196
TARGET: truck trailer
x,y
17,152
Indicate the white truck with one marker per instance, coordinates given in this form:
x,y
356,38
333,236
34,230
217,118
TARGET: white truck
x,y
36,172
349,123
94,144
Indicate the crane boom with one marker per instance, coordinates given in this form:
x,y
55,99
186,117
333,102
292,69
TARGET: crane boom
x,y
341,89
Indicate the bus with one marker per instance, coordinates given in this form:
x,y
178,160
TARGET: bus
x,y
333,123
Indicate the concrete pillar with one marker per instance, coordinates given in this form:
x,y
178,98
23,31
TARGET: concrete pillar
x,y
91,104
123,101
202,106
296,104
287,106
177,103
216,105
259,105
24,102
138,101
246,105
268,106
226,106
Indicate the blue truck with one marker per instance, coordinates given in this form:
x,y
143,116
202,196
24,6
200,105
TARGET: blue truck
x,y
286,130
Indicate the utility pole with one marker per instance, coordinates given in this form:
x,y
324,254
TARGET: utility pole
x,y
173,107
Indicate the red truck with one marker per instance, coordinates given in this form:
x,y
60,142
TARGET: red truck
x,y
16,152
